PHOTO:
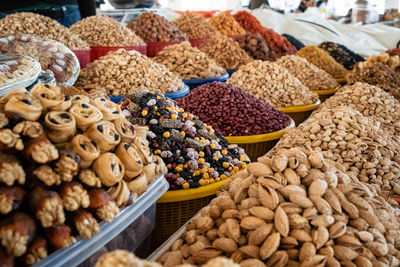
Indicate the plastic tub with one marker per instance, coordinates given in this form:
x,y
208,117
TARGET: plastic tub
x,y
85,248
300,113
179,93
99,51
154,47
197,42
83,57
325,94
193,83
257,145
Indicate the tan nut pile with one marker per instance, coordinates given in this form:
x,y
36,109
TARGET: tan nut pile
x,y
308,74
30,23
226,52
322,60
273,84
120,72
384,58
188,62
371,101
194,25
105,31
355,141
293,209
225,23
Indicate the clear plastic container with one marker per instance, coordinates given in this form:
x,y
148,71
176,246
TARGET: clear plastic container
x,y
129,217
52,55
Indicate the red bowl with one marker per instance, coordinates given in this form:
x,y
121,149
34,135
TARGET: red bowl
x,y
83,57
197,42
154,47
99,51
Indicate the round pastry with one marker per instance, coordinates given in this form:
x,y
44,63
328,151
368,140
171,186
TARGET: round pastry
x,y
109,169
138,185
4,99
61,126
120,193
144,150
110,110
131,159
51,97
105,135
150,172
125,129
23,105
161,168
85,114
79,99
141,132
86,149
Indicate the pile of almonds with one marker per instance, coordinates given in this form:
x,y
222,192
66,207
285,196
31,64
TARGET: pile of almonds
x,y
105,31
154,28
121,72
293,209
226,52
30,23
255,46
188,62
226,24
322,60
273,84
309,75
194,25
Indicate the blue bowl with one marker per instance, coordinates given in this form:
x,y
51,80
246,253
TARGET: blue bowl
x,y
197,82
230,72
178,94
116,99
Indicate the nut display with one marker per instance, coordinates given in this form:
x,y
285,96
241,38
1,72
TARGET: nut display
x,y
377,74
277,43
16,68
322,60
226,52
35,24
52,55
188,62
194,25
154,28
341,54
122,72
308,74
105,31
194,154
272,84
69,177
226,24
255,46
295,208
386,59
231,111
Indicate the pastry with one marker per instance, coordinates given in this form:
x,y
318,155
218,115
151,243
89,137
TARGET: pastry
x,y
40,150
11,198
23,106
85,115
11,170
143,149
85,223
138,185
150,172
125,129
59,236
104,206
37,251
110,110
4,99
105,135
61,126
109,169
120,193
141,132
161,168
86,149
74,196
131,159
89,178
51,97
79,99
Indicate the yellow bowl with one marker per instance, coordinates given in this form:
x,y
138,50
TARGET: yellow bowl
x,y
325,94
300,113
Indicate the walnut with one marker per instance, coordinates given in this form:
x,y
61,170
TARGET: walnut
x,y
66,167
11,140
31,129
89,178
46,174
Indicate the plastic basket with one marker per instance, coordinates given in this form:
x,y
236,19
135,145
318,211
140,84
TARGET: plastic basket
x,y
197,42
193,83
83,57
300,113
154,47
257,145
325,94
99,51
175,208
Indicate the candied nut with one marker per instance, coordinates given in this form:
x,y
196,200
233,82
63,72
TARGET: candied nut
x,y
105,206
66,167
46,174
59,236
74,196
37,251
10,198
11,170
32,129
41,151
85,223
89,178
8,139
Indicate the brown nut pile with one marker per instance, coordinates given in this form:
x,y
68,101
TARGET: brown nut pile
x,y
385,58
355,141
255,46
376,73
226,52
105,31
154,28
293,209
121,72
188,62
322,60
30,23
225,23
194,25
273,84
308,74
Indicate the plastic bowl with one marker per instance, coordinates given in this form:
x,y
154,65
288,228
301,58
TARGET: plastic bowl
x,y
197,82
154,47
197,42
325,94
300,113
99,51
83,56
178,94
230,72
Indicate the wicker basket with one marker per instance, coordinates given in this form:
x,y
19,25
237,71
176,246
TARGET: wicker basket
x,y
300,113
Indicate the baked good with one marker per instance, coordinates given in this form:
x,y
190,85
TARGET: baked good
x,y
78,99
109,168
120,193
105,135
85,114
86,149
22,105
139,184
110,110
143,149
125,129
61,126
51,97
131,159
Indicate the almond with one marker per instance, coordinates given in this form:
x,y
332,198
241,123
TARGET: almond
x,y
206,254
270,245
251,251
251,223
278,259
233,229
252,263
314,261
281,222
300,235
262,213
258,236
320,236
306,250
337,229
317,188
344,253
268,198
225,244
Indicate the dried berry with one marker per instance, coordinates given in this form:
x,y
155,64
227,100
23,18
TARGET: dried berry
x,y
341,54
255,46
